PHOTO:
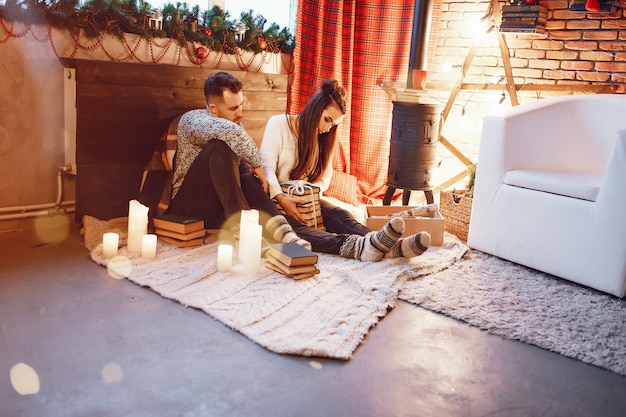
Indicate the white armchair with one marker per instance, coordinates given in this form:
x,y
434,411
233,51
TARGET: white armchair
x,y
550,189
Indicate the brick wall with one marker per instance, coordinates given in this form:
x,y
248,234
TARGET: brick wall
x,y
581,51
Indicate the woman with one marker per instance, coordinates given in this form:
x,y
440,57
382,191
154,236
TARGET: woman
x,y
300,147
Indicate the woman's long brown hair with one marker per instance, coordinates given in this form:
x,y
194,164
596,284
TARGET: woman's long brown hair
x,y
315,151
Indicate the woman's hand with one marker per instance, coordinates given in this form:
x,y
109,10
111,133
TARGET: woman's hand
x,y
260,174
289,204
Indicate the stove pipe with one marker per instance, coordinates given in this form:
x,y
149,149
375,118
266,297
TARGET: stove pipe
x,y
422,19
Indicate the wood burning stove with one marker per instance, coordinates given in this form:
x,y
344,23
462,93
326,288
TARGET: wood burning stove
x,y
415,130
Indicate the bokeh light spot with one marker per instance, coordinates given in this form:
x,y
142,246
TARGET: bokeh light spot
x,y
24,379
52,229
119,267
112,373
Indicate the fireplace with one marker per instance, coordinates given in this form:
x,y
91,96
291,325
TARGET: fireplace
x,y
413,150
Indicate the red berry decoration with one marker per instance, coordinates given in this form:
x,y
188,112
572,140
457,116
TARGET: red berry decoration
x,y
262,42
201,52
206,31
592,6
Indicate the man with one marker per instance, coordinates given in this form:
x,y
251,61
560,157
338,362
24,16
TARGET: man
x,y
207,182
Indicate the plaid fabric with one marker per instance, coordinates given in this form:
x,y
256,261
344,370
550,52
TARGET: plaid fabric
x,y
361,43
156,183
344,187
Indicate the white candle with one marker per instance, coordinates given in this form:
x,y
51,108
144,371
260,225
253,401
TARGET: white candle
x,y
137,225
249,216
110,242
224,257
250,235
148,246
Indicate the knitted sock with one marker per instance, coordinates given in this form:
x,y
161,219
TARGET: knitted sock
x,y
373,246
411,246
281,231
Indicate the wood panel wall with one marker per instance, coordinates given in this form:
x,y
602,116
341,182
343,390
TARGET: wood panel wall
x,y
123,109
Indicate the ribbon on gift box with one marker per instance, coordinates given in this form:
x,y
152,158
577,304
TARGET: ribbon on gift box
x,y
299,188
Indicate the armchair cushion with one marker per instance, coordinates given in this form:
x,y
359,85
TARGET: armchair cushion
x,y
569,184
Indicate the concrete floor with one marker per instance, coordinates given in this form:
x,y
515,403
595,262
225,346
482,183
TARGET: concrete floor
x,y
104,347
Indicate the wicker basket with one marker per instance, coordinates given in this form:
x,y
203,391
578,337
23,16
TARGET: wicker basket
x,y
456,214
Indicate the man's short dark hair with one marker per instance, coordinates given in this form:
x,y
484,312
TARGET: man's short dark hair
x,y
216,83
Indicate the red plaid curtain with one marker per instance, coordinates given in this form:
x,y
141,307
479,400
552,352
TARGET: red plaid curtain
x,y
361,43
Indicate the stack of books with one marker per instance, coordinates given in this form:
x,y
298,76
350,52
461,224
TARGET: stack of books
x,y
178,230
292,260
604,6
524,18
311,210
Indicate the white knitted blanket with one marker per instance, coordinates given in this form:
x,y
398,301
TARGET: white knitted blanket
x,y
327,315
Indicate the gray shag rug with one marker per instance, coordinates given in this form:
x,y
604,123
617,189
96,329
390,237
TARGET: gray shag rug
x,y
519,303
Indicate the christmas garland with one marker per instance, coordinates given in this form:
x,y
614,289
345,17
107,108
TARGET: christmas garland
x,y
213,28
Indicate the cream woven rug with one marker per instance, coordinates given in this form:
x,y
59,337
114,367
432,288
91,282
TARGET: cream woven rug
x,y
516,302
327,315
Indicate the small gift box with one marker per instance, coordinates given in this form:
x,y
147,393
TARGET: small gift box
x,y
311,210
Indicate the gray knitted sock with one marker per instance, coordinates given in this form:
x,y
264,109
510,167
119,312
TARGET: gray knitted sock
x,y
411,246
281,231
373,246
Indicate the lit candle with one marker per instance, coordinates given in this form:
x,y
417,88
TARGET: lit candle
x,y
110,242
137,225
224,257
148,246
249,217
250,235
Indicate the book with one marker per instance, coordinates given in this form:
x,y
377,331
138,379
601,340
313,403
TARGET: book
x,y
524,8
606,6
311,215
294,276
523,31
180,236
310,207
292,254
182,243
521,25
525,18
523,15
521,22
311,212
513,27
290,270
316,223
177,223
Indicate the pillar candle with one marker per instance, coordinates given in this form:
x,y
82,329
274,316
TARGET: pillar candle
x,y
110,242
250,238
148,246
224,257
250,235
249,217
137,225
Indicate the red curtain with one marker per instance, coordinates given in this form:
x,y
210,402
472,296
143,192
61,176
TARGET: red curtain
x,y
361,43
